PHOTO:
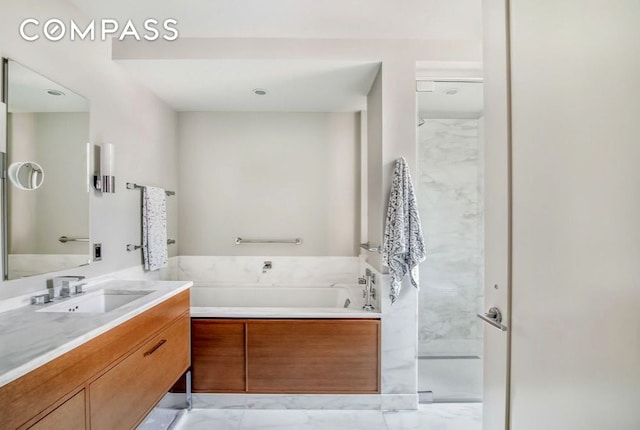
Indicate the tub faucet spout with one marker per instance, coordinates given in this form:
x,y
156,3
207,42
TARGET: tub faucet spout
x,y
266,266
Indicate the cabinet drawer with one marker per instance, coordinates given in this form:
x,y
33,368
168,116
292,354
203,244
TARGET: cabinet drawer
x,y
69,415
121,397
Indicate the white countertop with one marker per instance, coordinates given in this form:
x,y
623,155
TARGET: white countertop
x,y
29,339
271,312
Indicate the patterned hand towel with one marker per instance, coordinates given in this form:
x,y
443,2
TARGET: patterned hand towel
x,y
154,228
403,245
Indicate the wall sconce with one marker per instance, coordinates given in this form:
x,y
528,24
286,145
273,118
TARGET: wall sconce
x,y
104,179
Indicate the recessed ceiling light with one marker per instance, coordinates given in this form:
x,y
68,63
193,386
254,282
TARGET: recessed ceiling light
x,y
55,93
451,91
259,91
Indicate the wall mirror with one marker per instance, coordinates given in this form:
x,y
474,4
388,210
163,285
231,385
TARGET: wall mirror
x,y
46,196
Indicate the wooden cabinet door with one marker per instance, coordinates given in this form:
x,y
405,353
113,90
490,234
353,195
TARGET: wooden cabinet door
x,y
313,356
69,415
122,397
218,357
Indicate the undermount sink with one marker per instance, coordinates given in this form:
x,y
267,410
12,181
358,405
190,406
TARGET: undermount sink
x,y
97,302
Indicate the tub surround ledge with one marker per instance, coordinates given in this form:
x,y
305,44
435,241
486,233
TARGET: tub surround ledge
x,y
231,312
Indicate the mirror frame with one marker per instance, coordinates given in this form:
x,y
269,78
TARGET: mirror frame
x,y
3,165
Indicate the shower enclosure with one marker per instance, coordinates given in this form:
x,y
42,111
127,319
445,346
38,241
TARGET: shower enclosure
x,y
449,188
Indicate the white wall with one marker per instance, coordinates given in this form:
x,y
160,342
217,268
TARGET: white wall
x,y
122,112
576,214
269,175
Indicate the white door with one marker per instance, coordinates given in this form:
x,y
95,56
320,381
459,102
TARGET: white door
x,y
564,138
575,109
497,216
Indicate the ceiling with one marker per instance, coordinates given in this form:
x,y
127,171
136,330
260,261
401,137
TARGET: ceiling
x,y
227,85
208,85
28,92
467,103
357,19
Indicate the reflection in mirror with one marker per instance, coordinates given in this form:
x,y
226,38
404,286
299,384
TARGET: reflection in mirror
x,y
26,175
47,194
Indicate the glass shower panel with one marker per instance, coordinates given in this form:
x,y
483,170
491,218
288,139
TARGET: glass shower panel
x,y
450,200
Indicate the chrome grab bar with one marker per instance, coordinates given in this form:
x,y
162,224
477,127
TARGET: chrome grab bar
x,y
494,318
65,239
240,240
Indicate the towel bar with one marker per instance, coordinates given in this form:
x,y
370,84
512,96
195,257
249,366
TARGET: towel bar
x,y
132,186
65,239
132,247
240,240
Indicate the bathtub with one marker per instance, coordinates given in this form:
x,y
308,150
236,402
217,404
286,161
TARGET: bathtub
x,y
242,301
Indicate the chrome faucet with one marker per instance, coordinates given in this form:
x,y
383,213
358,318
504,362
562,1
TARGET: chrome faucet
x,y
62,285
369,292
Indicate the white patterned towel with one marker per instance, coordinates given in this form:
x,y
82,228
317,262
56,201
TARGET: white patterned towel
x,y
403,245
154,228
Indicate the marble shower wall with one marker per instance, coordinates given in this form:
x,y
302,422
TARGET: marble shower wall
x,y
450,199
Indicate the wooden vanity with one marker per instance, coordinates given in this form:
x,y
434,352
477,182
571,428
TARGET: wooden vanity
x,y
286,356
110,382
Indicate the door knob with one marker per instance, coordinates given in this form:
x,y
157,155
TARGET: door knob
x,y
494,318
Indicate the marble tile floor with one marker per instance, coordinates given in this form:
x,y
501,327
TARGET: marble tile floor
x,y
439,416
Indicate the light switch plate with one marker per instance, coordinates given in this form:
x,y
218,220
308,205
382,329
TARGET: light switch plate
x,y
97,251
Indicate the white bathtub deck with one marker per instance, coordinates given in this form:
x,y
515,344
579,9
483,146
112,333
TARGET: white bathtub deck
x,y
272,312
